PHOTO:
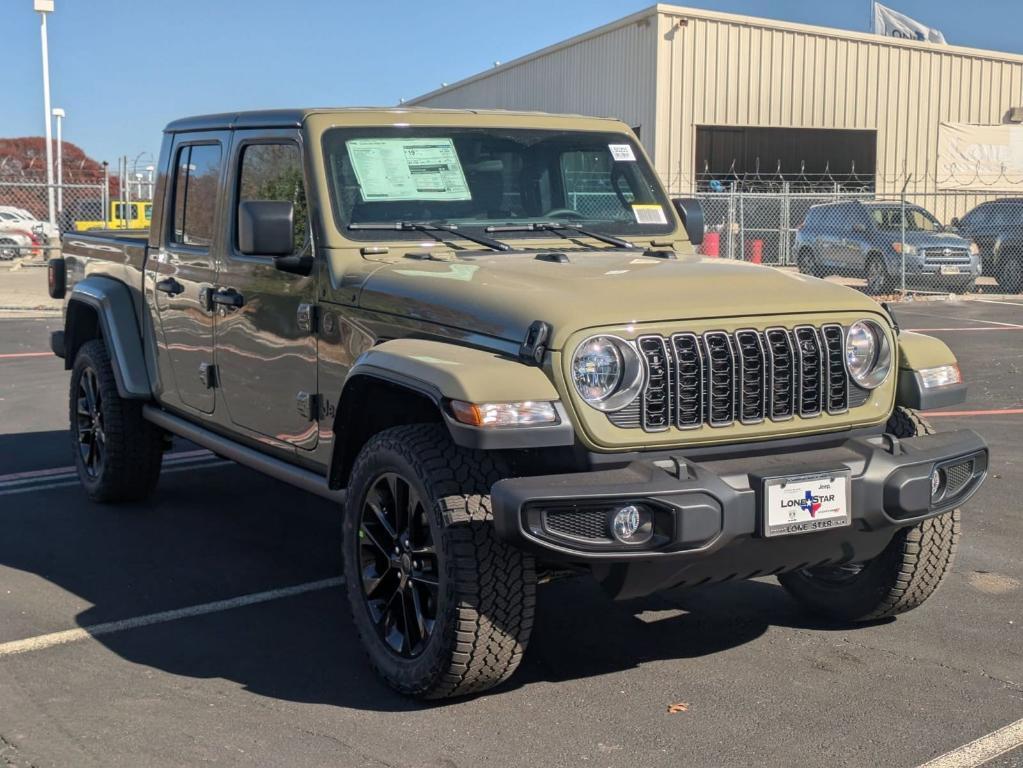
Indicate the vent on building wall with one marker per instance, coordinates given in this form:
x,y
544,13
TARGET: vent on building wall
x,y
1016,115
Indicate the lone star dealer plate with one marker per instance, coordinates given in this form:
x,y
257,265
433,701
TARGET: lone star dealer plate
x,y
806,503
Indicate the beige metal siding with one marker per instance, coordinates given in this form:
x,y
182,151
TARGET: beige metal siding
x,y
607,73
716,69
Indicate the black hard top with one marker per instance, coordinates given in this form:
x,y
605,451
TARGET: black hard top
x,y
293,118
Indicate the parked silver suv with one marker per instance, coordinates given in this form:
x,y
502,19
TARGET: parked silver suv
x,y
866,239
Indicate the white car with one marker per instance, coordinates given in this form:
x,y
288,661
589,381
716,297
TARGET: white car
x,y
12,217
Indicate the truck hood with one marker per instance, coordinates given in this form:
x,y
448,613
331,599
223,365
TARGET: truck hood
x,y
501,294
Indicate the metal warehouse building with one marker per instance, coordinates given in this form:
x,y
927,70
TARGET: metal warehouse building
x,y
717,96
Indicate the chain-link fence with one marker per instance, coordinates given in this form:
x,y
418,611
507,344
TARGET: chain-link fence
x,y
907,242
25,230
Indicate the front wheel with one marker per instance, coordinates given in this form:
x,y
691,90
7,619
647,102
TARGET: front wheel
x,y
876,275
442,606
902,577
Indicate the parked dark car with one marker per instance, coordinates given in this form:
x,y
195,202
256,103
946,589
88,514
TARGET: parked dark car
x,y
997,229
865,239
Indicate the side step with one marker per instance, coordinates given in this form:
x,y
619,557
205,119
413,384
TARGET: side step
x,y
275,468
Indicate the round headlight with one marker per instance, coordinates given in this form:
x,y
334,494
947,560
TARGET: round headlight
x,y
868,355
606,372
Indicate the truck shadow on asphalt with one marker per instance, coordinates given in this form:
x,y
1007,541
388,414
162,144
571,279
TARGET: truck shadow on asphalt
x,y
218,533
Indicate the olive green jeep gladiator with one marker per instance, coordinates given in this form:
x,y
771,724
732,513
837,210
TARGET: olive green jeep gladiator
x,y
487,336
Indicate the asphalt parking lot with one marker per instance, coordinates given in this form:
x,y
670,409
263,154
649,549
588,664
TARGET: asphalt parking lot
x,y
279,678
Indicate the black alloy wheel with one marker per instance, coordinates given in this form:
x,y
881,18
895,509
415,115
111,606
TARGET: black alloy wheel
x,y
398,564
92,440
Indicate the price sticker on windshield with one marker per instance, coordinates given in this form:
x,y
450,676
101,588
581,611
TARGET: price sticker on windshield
x,y
622,153
649,214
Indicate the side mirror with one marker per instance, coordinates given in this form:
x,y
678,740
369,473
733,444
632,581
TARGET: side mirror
x,y
266,228
691,213
954,224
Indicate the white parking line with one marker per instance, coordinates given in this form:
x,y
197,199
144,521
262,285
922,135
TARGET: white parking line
x,y
982,750
993,301
60,482
964,319
84,633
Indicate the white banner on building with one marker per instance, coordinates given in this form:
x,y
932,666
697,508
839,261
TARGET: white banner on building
x,y
894,24
979,156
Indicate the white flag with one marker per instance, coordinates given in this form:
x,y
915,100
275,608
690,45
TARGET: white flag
x,y
894,24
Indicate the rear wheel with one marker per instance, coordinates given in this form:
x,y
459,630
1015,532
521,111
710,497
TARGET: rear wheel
x,y
876,275
117,453
442,606
902,577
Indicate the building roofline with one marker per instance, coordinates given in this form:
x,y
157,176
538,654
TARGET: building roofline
x,y
665,9
633,18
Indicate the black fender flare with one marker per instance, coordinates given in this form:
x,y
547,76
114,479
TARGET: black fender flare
x,y
111,300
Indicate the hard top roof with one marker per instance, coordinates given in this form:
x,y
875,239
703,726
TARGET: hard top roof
x,y
294,118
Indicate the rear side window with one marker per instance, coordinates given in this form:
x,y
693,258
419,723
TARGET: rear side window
x,y
195,194
274,172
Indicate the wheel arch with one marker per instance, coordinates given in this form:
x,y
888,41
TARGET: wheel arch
x,y
102,308
409,381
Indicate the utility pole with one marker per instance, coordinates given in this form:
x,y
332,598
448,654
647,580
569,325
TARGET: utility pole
x,y
44,7
58,113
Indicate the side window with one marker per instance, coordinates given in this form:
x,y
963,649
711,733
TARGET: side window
x,y
274,172
195,194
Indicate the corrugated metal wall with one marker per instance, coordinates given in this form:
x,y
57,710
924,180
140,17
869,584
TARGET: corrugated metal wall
x,y
670,69
716,70
607,73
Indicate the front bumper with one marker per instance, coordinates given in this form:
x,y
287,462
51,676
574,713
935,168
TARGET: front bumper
x,y
708,515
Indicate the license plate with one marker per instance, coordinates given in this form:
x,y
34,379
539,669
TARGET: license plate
x,y
806,503
949,269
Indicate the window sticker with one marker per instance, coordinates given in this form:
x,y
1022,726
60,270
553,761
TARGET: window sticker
x,y
408,169
622,153
649,214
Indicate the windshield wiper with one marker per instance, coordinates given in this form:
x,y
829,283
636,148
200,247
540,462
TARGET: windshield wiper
x,y
560,228
431,228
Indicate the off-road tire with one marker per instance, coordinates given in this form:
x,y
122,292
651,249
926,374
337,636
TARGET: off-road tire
x,y
902,577
133,447
487,588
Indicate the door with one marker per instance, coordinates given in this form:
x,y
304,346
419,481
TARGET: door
x,y
828,238
266,345
185,269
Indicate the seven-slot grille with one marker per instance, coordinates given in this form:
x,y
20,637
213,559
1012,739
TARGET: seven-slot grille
x,y
719,378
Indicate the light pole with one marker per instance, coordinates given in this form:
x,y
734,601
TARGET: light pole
x,y
44,7
58,113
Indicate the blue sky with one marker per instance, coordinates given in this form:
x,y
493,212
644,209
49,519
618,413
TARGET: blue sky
x,y
122,69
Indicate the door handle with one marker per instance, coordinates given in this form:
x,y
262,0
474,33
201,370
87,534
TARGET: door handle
x,y
170,286
228,297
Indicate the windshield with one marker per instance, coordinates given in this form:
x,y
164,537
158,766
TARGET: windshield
x,y
917,219
491,177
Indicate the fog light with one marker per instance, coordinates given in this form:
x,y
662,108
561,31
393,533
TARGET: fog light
x,y
936,483
632,524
